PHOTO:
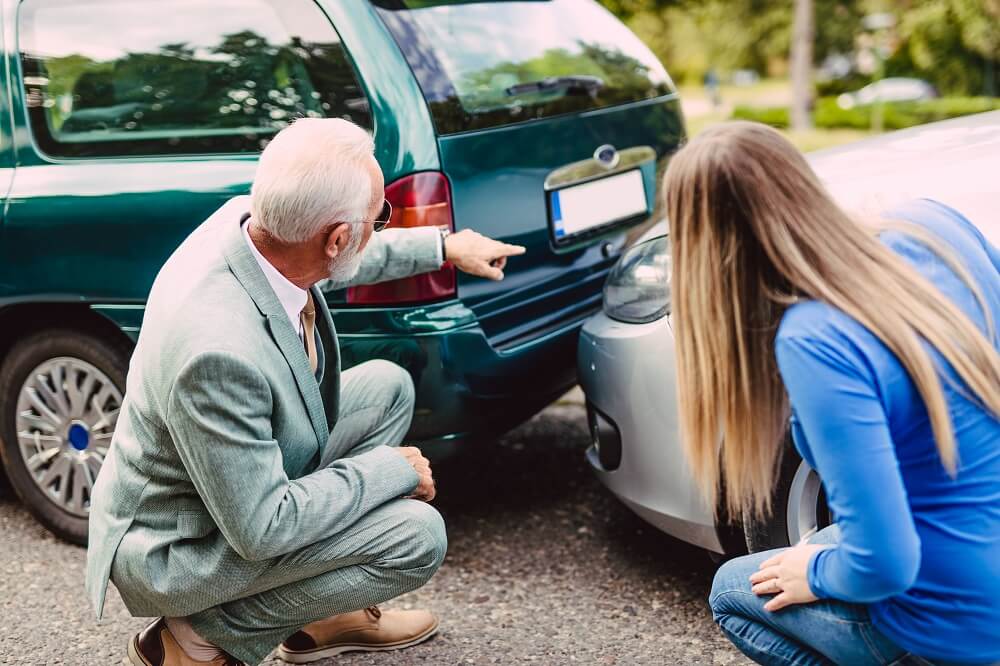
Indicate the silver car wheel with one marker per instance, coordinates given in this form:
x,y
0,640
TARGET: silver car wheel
x,y
66,415
802,513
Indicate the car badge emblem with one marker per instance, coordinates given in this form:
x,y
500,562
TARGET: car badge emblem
x,y
607,156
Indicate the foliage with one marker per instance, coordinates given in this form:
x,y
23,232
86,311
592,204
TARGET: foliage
x,y
907,114
954,44
627,8
849,83
690,37
895,116
775,116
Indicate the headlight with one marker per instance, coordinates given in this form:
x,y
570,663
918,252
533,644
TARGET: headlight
x,y
638,288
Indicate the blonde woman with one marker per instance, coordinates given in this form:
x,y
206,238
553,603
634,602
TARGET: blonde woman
x,y
882,348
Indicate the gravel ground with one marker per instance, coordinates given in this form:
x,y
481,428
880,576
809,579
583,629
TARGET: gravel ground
x,y
544,567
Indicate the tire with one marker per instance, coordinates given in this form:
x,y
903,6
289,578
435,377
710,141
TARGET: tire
x,y
798,507
5,489
60,391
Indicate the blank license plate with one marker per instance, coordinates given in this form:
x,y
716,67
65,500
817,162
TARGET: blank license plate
x,y
580,210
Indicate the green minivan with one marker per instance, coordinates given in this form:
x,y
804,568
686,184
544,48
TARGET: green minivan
x,y
125,123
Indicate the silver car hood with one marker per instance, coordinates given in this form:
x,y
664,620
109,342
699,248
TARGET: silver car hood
x,y
955,161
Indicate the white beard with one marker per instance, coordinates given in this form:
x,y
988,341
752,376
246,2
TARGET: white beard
x,y
345,266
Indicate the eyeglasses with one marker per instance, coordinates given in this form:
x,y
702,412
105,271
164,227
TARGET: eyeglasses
x,y
384,217
381,220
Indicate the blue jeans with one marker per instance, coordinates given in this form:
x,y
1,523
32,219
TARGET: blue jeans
x,y
823,632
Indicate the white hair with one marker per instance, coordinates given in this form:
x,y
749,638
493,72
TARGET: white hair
x,y
311,175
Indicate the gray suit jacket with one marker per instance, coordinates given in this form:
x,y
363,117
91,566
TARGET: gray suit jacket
x,y
212,471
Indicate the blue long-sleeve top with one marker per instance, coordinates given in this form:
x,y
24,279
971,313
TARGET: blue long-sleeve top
x,y
920,548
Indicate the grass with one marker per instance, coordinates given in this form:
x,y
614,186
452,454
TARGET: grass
x,y
769,92
817,139
700,114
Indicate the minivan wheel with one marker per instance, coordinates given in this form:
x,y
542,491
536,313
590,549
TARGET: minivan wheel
x,y
61,392
799,507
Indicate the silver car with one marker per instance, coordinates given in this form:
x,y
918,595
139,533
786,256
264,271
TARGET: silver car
x,y
626,353
894,89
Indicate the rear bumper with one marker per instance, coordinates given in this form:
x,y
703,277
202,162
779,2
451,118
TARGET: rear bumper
x,y
466,388
627,374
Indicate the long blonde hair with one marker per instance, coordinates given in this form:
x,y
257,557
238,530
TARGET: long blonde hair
x,y
752,230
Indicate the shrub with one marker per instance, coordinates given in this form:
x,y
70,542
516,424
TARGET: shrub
x,y
902,114
774,116
835,87
828,115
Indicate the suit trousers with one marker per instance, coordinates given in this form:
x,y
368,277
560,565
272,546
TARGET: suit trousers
x,y
387,552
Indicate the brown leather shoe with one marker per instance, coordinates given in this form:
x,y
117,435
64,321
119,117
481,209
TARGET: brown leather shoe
x,y
155,646
368,630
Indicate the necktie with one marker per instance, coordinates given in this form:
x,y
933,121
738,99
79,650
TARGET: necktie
x,y
308,319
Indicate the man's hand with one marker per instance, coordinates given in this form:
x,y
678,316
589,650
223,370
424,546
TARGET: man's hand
x,y
422,466
478,255
786,575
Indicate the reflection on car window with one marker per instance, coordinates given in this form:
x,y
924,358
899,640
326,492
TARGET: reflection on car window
x,y
489,64
141,77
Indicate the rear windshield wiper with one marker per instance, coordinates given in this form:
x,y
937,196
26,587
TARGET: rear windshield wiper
x,y
575,83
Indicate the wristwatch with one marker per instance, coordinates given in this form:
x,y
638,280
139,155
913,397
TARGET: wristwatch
x,y
445,232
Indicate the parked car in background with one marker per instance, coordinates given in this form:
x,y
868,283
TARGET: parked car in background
x,y
745,77
626,357
893,89
125,123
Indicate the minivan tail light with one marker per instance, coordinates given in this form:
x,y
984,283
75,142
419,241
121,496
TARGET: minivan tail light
x,y
418,200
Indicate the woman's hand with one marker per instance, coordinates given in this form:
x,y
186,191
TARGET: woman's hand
x,y
786,575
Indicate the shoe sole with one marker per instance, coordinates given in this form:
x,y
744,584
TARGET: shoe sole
x,y
309,656
133,653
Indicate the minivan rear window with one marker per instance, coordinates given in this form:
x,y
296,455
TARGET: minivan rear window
x,y
487,64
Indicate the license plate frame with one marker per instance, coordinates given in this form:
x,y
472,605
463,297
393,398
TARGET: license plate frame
x,y
582,211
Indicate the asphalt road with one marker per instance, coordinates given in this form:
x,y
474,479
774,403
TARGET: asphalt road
x,y
543,567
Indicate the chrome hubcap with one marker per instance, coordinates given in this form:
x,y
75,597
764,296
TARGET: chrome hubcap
x,y
66,414
804,512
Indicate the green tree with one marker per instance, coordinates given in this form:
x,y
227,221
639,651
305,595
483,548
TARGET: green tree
x,y
625,9
689,36
955,44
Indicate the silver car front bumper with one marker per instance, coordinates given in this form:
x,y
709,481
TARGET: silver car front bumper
x,y
627,374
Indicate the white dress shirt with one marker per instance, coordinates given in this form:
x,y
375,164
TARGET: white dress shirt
x,y
291,297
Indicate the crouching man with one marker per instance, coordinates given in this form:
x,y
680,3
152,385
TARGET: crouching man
x,y
253,494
